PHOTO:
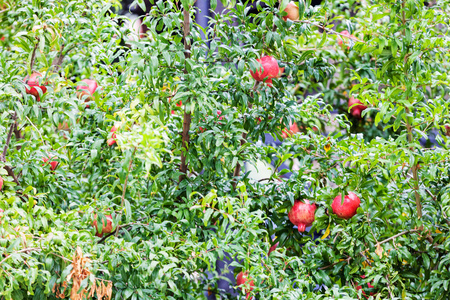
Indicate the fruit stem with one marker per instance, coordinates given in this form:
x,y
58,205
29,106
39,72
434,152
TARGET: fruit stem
x,y
187,115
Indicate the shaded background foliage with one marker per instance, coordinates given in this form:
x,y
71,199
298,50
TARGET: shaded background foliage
x,y
170,233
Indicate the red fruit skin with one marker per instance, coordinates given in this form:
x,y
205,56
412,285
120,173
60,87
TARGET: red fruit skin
x,y
53,164
1,183
347,34
270,66
302,214
105,228
111,142
368,284
293,128
271,249
241,279
348,208
357,109
447,128
87,89
292,12
33,82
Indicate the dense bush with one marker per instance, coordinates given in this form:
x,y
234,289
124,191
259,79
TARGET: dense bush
x,y
155,155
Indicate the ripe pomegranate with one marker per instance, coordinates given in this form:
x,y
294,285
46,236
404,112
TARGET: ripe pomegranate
x,y
293,128
106,228
271,249
347,34
347,209
292,12
302,214
244,282
271,69
1,183
53,164
33,82
357,109
112,140
87,89
447,128
368,285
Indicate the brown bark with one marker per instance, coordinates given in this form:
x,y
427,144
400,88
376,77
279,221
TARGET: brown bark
x,y
187,116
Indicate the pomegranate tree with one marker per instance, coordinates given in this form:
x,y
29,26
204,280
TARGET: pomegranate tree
x,y
302,214
348,207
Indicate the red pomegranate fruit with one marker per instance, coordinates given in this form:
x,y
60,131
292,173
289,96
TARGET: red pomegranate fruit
x,y
292,12
357,109
87,88
348,208
53,164
302,214
112,140
33,83
1,183
245,283
106,228
368,285
271,69
344,33
293,128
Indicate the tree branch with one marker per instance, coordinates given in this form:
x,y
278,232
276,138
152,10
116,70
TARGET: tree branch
x,y
122,201
8,139
330,30
33,55
187,115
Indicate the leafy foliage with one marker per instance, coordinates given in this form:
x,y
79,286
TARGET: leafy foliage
x,y
182,97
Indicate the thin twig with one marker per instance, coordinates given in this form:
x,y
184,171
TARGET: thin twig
x,y
122,201
330,30
33,55
8,140
36,129
389,286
